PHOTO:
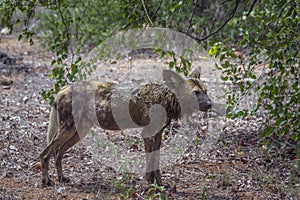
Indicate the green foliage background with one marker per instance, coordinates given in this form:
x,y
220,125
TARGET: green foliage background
x,y
267,32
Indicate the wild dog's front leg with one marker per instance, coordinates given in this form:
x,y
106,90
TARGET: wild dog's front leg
x,y
157,143
152,150
149,144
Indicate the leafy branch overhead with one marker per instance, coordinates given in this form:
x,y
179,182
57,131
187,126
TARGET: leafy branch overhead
x,y
245,36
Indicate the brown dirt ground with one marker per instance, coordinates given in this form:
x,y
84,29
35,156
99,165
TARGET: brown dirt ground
x,y
235,168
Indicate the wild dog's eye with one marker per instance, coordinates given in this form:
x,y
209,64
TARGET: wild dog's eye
x,y
197,93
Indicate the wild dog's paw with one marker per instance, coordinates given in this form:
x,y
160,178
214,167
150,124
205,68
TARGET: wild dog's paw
x,y
64,180
47,182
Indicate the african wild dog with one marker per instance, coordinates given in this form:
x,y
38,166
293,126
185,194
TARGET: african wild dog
x,y
64,124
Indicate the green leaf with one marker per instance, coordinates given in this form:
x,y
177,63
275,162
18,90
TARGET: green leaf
x,y
267,131
224,78
163,196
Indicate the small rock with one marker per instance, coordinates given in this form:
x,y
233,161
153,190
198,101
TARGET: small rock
x,y
4,31
60,190
7,87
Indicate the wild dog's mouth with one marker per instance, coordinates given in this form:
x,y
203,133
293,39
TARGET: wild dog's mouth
x,y
205,106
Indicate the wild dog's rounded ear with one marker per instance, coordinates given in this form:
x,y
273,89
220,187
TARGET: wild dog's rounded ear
x,y
172,79
196,73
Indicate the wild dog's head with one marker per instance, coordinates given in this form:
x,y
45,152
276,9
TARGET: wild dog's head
x,y
191,92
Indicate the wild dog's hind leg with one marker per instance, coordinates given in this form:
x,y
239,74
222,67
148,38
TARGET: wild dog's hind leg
x,y
44,166
59,155
55,144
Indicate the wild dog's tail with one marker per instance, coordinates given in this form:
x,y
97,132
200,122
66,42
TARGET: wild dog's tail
x,y
53,124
